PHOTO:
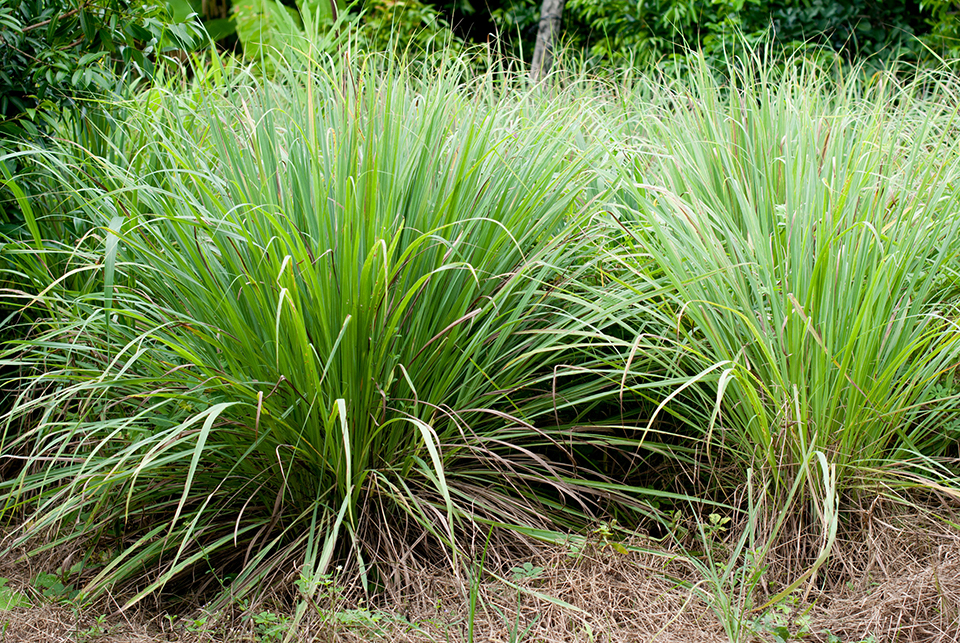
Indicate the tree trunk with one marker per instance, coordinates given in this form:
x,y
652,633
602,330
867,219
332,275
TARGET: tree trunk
x,y
551,14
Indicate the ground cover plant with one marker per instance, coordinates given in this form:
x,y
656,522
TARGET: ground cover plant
x,y
313,335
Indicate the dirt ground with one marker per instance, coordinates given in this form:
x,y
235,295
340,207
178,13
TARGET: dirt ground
x,y
901,583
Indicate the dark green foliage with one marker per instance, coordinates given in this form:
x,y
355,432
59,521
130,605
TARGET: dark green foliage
x,y
648,31
944,24
56,51
855,27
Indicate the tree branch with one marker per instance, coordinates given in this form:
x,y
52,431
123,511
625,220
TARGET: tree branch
x,y
49,20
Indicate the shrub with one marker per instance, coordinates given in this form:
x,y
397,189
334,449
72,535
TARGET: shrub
x,y
55,52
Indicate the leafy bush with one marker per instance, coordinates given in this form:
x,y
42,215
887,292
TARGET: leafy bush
x,y
268,28
273,34
407,26
55,51
944,24
646,32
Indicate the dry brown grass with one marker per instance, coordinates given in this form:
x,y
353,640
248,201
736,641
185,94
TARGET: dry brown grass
x,y
616,597
900,583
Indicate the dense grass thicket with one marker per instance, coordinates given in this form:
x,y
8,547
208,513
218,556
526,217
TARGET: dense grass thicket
x,y
804,230
367,312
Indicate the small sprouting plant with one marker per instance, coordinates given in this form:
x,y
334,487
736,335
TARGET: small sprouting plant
x,y
359,616
11,598
527,570
606,533
323,587
270,626
55,588
716,526
98,628
171,620
783,622
575,547
197,625
833,638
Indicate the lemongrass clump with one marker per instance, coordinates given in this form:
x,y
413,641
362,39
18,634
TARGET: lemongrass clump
x,y
802,224
313,321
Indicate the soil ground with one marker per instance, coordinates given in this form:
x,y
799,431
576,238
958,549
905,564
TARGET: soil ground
x,y
899,583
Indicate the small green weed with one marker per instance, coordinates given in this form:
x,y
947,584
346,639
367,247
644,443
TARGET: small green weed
x,y
270,626
527,570
55,588
783,621
357,617
716,526
606,533
833,638
99,628
11,598
197,625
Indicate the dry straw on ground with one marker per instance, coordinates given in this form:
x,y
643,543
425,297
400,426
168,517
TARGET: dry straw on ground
x,y
899,584
902,582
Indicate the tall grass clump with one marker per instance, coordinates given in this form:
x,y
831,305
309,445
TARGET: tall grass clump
x,y
803,227
308,323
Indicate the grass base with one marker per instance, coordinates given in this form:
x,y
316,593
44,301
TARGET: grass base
x,y
899,582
